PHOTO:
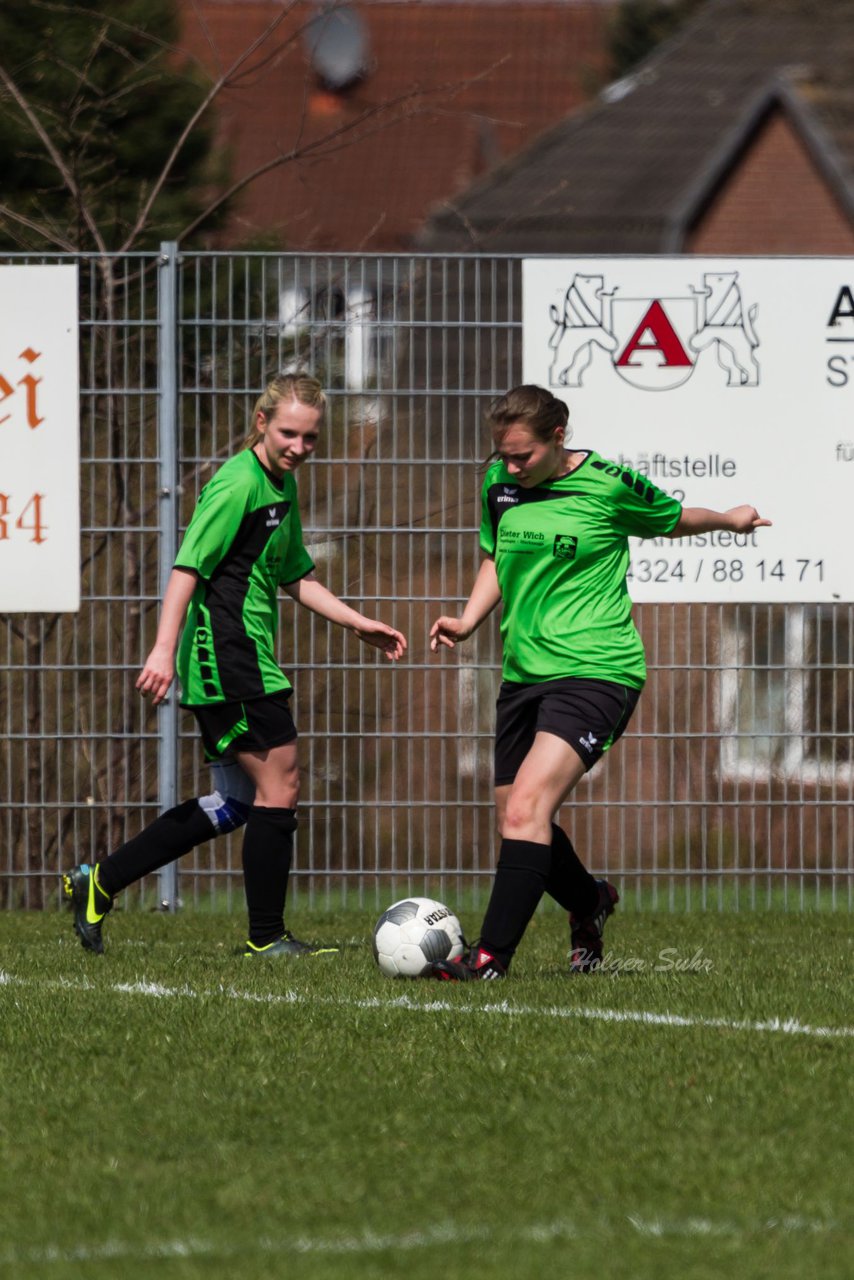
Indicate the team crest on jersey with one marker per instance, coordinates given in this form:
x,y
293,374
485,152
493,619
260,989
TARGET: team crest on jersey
x,y
565,546
654,343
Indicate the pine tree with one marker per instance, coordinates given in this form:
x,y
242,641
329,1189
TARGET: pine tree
x,y
92,100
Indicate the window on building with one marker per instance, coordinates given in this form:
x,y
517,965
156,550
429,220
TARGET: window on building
x,y
787,693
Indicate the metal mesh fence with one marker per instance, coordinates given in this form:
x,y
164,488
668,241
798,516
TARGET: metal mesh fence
x,y
78,753
732,787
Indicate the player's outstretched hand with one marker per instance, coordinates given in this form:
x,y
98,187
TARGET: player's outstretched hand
x,y
156,676
745,519
447,632
391,642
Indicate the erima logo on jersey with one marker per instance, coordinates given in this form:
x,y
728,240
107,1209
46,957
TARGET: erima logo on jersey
x,y
274,518
508,496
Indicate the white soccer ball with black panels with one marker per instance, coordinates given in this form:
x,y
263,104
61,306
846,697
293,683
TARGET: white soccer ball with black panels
x,y
414,932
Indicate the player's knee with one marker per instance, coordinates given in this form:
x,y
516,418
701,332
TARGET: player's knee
x,y
519,813
228,805
225,812
523,816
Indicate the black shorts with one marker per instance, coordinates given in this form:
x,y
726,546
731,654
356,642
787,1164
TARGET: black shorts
x,y
588,714
256,725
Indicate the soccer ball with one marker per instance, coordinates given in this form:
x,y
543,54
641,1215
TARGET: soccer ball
x,y
413,933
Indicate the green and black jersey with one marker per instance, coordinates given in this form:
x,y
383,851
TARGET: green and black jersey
x,y
561,554
244,541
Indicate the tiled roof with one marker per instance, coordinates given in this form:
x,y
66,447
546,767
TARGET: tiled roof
x,y
473,82
629,173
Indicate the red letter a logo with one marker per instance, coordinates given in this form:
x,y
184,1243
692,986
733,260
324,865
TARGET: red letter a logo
x,y
663,338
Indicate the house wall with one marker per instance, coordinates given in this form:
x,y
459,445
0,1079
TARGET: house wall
x,y
775,201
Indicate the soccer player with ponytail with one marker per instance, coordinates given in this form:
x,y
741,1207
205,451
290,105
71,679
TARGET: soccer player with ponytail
x,y
554,532
243,542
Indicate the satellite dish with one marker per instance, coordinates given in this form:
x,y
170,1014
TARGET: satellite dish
x,y
337,43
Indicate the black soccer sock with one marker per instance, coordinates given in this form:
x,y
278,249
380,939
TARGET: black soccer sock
x,y
520,881
268,843
168,837
569,882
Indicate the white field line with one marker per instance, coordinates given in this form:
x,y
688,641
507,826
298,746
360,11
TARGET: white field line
x,y
780,1026
445,1233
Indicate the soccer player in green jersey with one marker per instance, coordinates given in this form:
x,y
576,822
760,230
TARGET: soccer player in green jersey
x,y
554,532
243,542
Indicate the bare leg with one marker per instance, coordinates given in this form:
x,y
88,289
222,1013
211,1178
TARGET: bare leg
x,y
535,856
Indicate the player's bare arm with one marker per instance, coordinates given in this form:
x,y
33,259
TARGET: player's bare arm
x,y
159,670
310,592
743,519
485,595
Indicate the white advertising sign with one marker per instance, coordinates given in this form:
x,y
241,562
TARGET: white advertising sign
x,y
39,440
723,382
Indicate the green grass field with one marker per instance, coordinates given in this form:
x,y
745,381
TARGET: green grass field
x,y
173,1110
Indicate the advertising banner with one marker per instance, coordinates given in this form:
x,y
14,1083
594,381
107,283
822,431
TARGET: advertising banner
x,y
39,440
723,382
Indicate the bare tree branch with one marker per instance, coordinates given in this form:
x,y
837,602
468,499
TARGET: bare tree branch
x,y
212,93
209,41
339,137
53,152
164,45
57,160
40,228
369,121
479,238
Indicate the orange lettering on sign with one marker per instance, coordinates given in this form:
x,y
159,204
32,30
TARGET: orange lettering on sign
x,y
36,524
30,385
31,519
6,390
33,420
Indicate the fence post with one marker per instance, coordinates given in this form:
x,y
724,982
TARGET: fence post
x,y
167,448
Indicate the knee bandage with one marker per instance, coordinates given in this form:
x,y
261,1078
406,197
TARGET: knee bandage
x,y
228,805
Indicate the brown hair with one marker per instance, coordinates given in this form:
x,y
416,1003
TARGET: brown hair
x,y
533,407
286,386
